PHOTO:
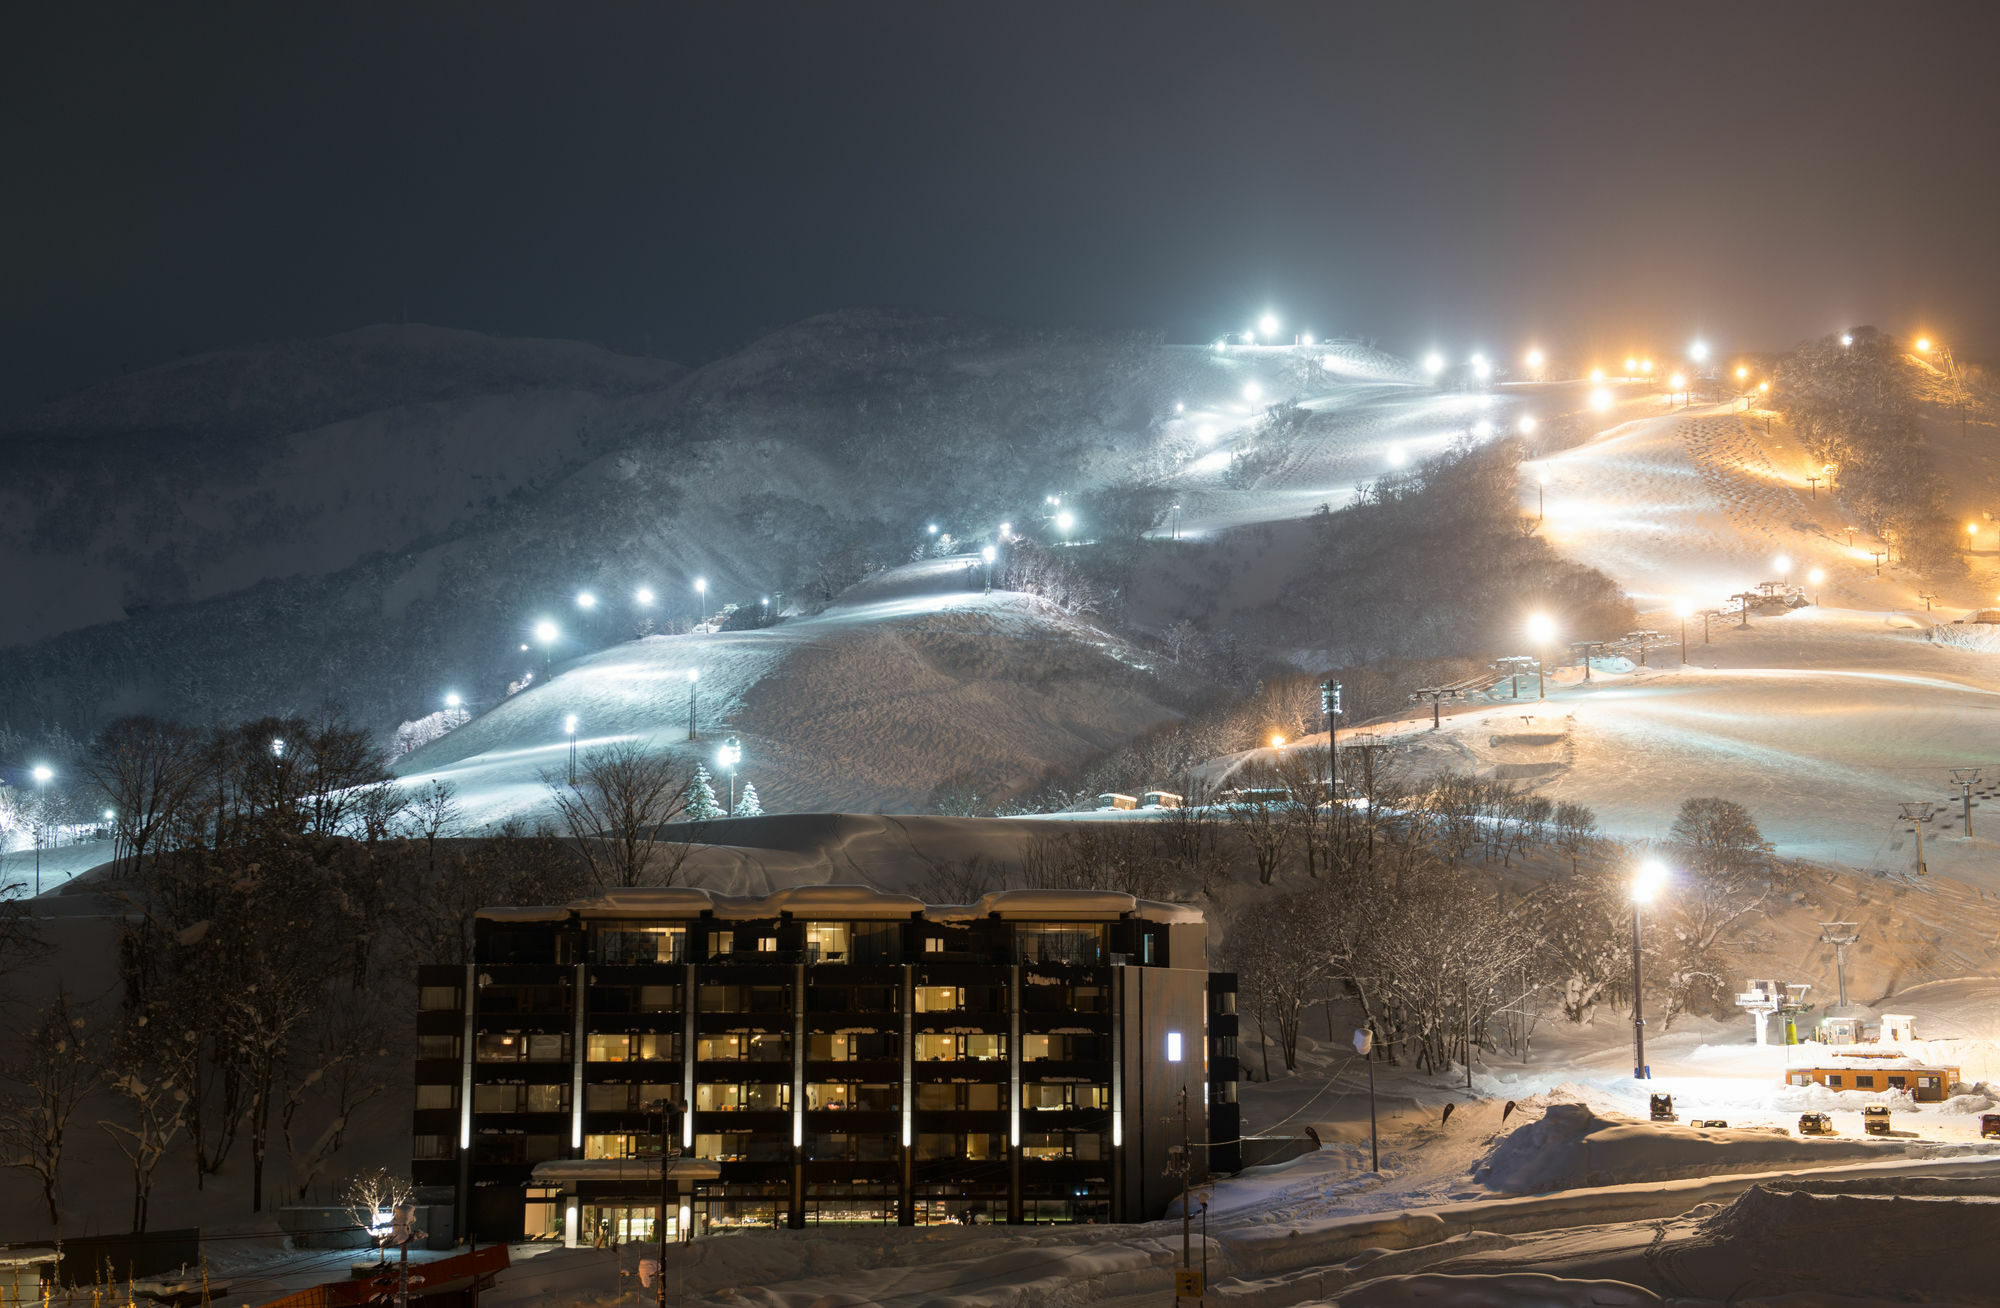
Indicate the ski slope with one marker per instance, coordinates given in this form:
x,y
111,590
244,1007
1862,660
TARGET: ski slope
x,y
861,709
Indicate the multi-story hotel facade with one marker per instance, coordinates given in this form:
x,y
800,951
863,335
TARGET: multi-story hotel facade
x,y
822,1054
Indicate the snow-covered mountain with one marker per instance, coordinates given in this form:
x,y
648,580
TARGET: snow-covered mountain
x,y
203,477
380,516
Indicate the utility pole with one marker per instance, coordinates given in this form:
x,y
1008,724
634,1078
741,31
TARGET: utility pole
x,y
1966,778
1918,813
1840,935
1814,483
1180,1160
1329,708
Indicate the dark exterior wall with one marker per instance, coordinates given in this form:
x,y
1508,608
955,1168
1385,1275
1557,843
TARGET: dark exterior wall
x,y
1156,1001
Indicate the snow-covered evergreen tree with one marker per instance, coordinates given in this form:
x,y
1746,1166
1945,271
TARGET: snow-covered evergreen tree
x,y
702,805
748,806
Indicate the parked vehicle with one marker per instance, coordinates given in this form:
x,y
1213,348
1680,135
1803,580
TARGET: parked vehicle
x,y
1160,799
1713,1123
1816,1124
1116,801
1989,1126
1875,1119
1663,1108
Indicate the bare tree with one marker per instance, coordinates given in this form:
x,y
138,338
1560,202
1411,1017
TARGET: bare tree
x,y
48,1075
616,809
1265,825
369,1195
959,881
149,771
338,1069
432,815
1282,967
152,1072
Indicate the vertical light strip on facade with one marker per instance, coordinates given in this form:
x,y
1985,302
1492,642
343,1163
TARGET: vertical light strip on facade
x,y
465,1060
1117,1060
687,1058
576,1067
909,1074
1014,1059
799,1059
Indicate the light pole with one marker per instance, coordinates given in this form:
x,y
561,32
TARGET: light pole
x,y
41,774
694,677
989,554
729,756
545,636
1541,496
1682,609
1177,521
1816,577
569,728
1541,635
1652,875
701,601
455,709
1064,521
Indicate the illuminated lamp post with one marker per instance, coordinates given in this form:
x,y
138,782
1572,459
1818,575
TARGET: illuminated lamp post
x,y
569,729
41,774
729,756
546,635
1541,635
1651,877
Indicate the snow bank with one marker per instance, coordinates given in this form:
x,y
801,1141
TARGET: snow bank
x,y
1573,1147
1979,637
1772,1240
1517,1289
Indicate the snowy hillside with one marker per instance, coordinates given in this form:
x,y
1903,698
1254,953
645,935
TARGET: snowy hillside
x,y
865,708
207,476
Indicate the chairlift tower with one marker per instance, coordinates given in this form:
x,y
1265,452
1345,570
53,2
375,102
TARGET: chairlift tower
x,y
1965,779
1587,649
1436,695
1916,813
1761,1000
1642,637
1840,935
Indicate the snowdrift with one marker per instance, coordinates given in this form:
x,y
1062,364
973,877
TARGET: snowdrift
x,y
1572,1147
1519,1289
1898,1241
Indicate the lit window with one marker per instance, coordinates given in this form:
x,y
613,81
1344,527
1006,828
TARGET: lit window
x,y
767,944
1173,1046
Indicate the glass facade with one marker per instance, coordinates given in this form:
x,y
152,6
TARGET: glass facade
x,y
832,1070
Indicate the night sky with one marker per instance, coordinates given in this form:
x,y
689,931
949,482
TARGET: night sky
x,y
1594,177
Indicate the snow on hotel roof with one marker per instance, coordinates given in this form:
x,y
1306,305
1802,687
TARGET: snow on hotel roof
x,y
849,901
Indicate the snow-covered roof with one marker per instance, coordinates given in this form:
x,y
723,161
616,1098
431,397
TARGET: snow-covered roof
x,y
528,914
849,902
